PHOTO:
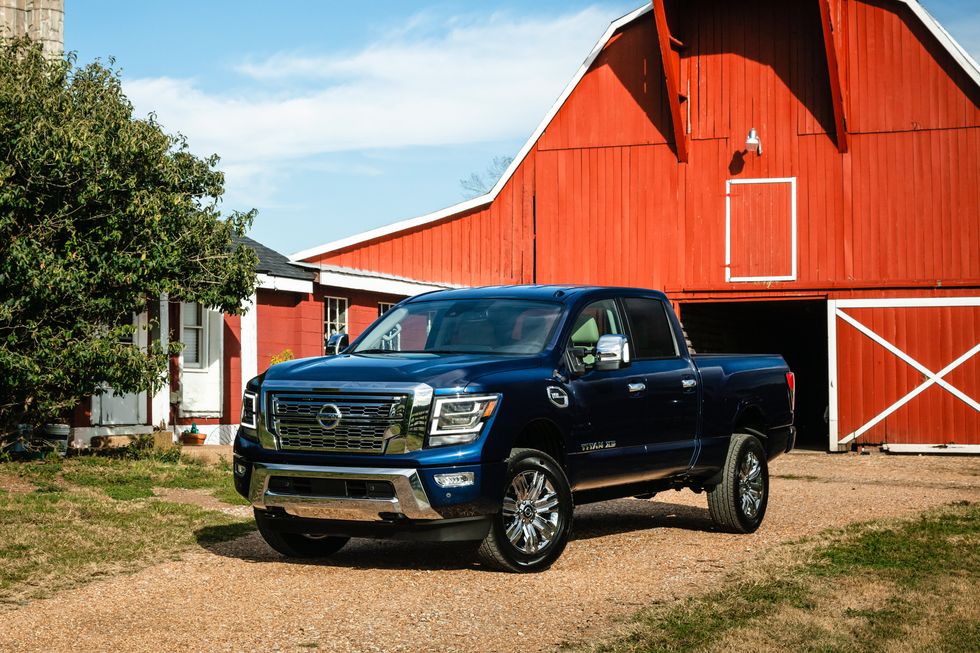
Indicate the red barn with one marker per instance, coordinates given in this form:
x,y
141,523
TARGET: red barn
x,y
801,177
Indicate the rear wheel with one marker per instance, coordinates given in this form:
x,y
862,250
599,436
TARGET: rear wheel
x,y
535,519
298,545
738,504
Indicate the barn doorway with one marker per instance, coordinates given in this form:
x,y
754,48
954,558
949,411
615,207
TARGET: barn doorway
x,y
795,329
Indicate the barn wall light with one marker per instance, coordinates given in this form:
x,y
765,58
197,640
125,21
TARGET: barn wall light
x,y
752,142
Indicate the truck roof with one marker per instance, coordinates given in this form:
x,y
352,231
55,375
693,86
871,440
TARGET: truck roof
x,y
553,292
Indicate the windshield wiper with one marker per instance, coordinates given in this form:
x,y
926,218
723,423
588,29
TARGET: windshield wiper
x,y
378,351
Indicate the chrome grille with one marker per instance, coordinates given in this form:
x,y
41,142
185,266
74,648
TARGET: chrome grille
x,y
365,421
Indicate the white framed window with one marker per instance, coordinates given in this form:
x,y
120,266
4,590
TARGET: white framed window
x,y
384,307
193,334
334,317
760,229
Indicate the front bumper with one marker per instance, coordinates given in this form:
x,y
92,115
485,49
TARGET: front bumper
x,y
409,500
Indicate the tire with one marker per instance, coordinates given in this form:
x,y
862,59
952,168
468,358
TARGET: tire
x,y
539,528
298,545
738,504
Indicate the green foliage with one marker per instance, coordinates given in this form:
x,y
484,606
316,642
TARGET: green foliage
x,y
100,213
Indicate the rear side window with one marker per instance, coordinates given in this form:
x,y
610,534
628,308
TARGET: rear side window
x,y
652,335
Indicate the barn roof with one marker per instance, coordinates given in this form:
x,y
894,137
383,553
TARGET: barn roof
x,y
956,51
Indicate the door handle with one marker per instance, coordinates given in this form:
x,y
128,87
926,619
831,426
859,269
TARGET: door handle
x,y
689,384
636,387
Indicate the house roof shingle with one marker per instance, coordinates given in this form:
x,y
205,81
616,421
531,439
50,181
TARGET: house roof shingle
x,y
273,263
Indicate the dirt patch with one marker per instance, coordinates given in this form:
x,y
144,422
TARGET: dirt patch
x,y
406,597
202,499
16,485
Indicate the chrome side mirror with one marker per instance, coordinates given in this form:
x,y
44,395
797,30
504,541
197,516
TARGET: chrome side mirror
x,y
612,352
337,343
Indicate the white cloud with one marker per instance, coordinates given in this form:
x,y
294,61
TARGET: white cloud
x,y
461,80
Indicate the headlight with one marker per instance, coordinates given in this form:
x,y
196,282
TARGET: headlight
x,y
458,420
250,409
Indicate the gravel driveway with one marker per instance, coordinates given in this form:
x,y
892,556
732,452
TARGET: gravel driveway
x,y
375,596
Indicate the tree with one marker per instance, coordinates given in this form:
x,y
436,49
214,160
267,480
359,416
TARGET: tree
x,y
480,184
100,213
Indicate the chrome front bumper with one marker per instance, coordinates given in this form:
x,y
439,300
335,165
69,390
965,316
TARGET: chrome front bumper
x,y
410,499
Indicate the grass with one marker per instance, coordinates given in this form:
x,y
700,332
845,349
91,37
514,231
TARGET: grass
x,y
911,585
126,478
64,522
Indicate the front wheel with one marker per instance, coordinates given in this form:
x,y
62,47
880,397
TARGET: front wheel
x,y
738,503
298,545
535,519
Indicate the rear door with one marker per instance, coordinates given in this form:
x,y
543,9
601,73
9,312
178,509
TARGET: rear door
x,y
670,396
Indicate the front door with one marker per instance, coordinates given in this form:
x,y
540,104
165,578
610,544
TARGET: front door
x,y
128,408
608,441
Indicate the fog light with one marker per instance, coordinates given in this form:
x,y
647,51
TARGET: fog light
x,y
454,479
240,469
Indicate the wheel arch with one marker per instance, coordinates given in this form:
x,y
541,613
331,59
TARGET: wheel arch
x,y
750,419
544,435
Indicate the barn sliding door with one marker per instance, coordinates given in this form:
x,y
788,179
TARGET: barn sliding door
x,y
905,373
760,229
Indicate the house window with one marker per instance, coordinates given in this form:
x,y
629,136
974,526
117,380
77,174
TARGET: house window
x,y
193,336
384,307
334,317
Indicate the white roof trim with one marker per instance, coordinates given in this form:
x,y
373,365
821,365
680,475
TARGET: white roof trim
x,y
482,200
271,282
351,279
945,39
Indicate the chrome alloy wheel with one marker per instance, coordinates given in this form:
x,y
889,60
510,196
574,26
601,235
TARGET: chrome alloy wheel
x,y
750,485
530,511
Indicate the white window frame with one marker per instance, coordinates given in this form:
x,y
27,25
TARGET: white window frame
x,y
203,344
329,312
728,226
384,307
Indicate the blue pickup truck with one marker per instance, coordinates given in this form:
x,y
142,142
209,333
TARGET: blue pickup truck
x,y
487,414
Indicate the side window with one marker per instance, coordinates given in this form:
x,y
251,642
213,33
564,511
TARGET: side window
x,y
652,334
597,319
334,317
192,334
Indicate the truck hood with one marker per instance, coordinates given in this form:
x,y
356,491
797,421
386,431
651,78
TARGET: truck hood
x,y
437,370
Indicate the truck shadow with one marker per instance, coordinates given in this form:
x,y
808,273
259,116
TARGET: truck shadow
x,y
598,520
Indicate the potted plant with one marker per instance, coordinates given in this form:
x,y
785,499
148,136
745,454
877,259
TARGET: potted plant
x,y
192,436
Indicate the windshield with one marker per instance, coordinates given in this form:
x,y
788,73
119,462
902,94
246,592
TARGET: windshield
x,y
464,326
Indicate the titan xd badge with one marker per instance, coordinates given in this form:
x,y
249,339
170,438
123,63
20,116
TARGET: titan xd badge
x,y
595,446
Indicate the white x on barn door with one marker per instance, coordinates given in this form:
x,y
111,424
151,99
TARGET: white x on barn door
x,y
840,312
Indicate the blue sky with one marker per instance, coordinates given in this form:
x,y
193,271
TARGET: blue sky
x,y
335,117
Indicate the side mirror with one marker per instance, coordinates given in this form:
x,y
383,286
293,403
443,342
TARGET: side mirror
x,y
612,352
337,343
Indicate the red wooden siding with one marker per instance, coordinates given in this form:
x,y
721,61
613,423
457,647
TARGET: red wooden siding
x,y
761,229
606,215
900,79
232,372
290,321
485,246
620,102
871,378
